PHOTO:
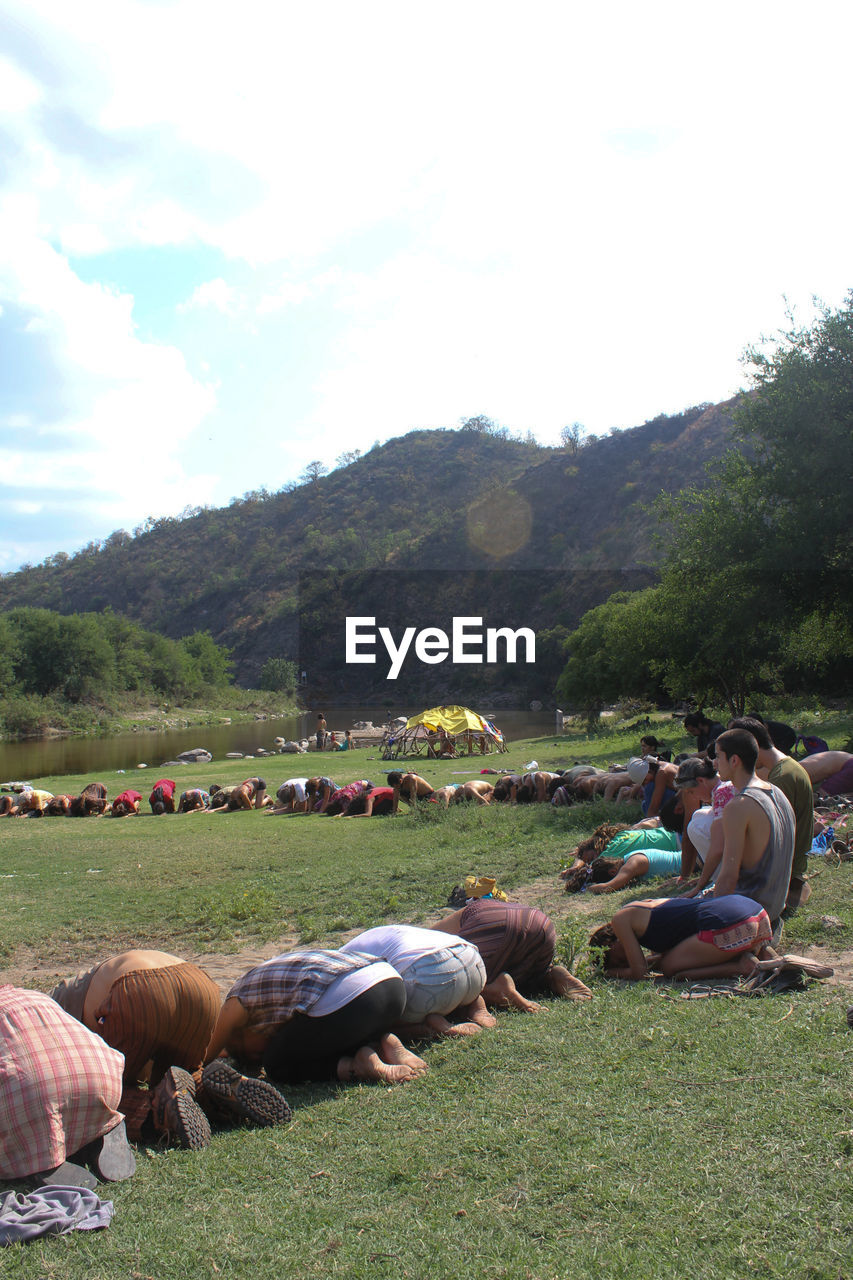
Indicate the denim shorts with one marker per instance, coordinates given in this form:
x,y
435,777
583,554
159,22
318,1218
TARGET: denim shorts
x,y
442,981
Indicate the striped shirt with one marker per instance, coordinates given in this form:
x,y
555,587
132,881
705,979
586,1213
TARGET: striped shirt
x,y
60,1084
274,991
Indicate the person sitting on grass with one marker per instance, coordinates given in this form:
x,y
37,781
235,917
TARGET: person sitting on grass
x,y
652,746
91,802
657,779
794,782
319,792
291,797
194,800
410,787
517,944
695,782
316,1015
342,797
158,1011
477,791
33,802
378,802
127,803
162,798
690,938
630,854
251,794
60,1094
831,772
705,731
444,978
758,830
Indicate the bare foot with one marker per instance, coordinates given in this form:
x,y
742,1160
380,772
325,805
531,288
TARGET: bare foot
x,y
367,1065
435,1025
394,1053
565,984
417,1030
505,994
477,1012
463,1029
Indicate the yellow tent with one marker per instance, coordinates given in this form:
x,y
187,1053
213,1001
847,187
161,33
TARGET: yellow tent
x,y
452,719
443,731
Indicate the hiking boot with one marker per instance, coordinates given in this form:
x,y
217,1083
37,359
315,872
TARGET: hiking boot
x,y
254,1100
176,1112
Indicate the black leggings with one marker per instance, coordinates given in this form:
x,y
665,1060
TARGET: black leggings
x,y
309,1048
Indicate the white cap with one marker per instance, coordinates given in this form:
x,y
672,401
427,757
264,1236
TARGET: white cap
x,y
638,769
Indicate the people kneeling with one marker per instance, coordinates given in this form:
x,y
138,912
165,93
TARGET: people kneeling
x,y
689,938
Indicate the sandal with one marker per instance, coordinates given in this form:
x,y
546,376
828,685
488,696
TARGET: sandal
x,y
115,1161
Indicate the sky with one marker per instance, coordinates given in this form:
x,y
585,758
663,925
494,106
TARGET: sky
x,y
238,238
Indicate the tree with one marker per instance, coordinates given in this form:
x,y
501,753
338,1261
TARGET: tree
x,y
572,437
347,458
313,472
9,652
278,674
755,589
481,423
209,662
613,653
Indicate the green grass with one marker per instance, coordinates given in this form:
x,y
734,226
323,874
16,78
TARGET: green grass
x,y
637,1135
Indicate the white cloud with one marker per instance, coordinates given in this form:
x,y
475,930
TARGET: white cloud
x,y
129,405
216,294
571,212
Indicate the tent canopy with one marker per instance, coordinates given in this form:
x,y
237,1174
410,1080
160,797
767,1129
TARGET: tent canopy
x,y
452,719
443,731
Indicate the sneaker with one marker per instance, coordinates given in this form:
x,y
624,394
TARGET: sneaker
x,y
254,1100
176,1111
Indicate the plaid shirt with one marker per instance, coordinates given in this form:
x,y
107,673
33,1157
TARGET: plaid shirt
x,y
274,991
60,1084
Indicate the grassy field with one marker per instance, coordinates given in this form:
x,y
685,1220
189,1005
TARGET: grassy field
x,y
638,1134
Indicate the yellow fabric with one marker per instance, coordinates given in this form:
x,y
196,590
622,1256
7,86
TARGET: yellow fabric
x,y
452,719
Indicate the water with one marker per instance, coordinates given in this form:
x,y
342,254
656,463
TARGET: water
x,y
53,757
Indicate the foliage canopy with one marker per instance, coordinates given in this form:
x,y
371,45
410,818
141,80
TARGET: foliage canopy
x,y
755,592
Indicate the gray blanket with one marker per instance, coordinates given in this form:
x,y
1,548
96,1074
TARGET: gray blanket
x,y
51,1211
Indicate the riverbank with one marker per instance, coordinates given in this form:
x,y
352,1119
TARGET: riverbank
x,y
220,707
163,718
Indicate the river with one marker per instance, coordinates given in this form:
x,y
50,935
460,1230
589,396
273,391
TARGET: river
x,y
52,757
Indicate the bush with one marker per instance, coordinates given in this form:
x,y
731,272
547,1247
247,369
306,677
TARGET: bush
x,y
278,673
28,715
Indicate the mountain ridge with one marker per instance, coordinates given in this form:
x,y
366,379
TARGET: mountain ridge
x,y
449,502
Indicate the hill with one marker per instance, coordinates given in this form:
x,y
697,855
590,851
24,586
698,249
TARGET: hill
x,y
428,526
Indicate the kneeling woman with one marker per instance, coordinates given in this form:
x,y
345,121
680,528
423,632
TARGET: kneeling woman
x,y
517,945
614,856
689,937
